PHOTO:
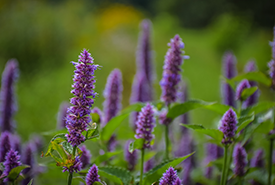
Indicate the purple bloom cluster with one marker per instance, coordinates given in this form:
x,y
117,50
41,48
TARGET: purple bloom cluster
x,y
92,175
271,64
149,164
85,157
171,70
131,158
11,161
5,145
258,159
16,143
228,126
177,182
244,84
253,99
76,167
28,158
62,114
213,152
7,97
112,143
145,125
77,117
113,95
240,161
169,177
229,71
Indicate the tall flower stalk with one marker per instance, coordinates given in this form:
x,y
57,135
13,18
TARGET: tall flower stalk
x,y
77,119
7,96
145,126
171,77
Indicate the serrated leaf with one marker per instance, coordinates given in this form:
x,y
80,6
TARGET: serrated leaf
x,y
60,150
67,147
14,173
248,92
214,133
137,144
110,127
122,174
106,157
156,173
244,121
30,183
110,177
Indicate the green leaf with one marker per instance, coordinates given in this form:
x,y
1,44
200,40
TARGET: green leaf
x,y
122,175
92,133
181,108
156,173
106,157
97,183
61,137
244,121
60,150
214,133
258,108
30,183
110,127
95,117
55,132
14,173
80,178
2,167
67,147
248,92
256,76
137,144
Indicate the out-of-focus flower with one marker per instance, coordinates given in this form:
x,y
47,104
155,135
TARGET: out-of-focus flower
x,y
258,159
92,175
5,145
131,158
244,84
85,157
240,161
29,158
229,71
8,104
62,114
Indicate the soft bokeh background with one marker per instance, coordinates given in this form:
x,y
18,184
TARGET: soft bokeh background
x,y
44,36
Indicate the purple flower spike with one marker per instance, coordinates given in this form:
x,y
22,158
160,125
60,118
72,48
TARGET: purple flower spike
x,y
92,175
76,167
77,115
113,95
213,152
99,112
241,86
16,143
28,158
163,118
271,64
228,126
258,159
253,99
145,125
229,71
112,143
177,182
169,177
131,158
11,161
144,53
171,70
62,114
8,104
239,156
149,164
85,157
5,145
183,97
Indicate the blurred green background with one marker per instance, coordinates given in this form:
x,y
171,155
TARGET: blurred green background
x,y
44,36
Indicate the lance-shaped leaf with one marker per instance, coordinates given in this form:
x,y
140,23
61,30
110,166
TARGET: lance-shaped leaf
x,y
248,92
244,121
258,108
30,183
55,132
110,127
214,133
14,173
137,144
156,173
116,174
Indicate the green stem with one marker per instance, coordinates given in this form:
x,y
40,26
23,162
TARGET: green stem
x,y
224,166
70,179
240,181
270,161
166,141
141,166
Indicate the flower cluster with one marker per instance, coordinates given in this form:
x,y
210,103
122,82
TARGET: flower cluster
x,y
11,161
77,117
5,145
92,175
85,157
228,126
240,161
8,106
145,125
171,70
170,177
131,158
75,167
